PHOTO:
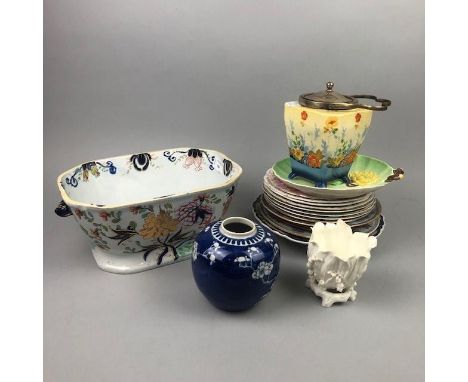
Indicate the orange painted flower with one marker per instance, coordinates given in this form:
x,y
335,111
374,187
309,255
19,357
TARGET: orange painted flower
x,y
331,122
357,117
348,159
315,159
304,115
158,225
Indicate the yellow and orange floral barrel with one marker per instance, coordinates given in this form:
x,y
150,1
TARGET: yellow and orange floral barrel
x,y
323,144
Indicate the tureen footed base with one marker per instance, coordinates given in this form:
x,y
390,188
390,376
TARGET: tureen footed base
x,y
329,298
134,262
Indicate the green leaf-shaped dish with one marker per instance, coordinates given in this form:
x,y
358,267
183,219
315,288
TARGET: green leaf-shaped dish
x,y
369,174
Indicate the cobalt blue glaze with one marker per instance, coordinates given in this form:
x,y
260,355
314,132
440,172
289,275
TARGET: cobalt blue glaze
x,y
320,176
235,270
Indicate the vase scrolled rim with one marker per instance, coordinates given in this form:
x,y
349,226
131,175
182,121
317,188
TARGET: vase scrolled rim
x,y
339,239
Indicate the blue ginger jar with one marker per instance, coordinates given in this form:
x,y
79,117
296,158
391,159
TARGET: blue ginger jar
x,y
235,263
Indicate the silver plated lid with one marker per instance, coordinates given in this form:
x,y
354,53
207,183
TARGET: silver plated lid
x,y
331,100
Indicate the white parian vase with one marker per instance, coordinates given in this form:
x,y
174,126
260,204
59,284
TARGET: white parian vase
x,y
337,258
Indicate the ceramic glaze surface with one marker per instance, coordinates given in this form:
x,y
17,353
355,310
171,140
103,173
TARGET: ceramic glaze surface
x,y
235,270
366,174
302,234
323,144
148,176
142,211
337,258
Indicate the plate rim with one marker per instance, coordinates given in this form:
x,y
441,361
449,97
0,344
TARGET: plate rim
x,y
325,211
380,228
378,207
313,198
327,203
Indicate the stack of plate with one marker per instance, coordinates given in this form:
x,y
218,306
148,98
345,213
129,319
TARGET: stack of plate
x,y
291,212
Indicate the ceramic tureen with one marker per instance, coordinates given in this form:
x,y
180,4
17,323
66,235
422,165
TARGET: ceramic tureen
x,y
325,131
143,211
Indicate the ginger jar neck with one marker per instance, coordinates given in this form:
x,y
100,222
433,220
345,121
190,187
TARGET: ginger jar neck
x,y
238,228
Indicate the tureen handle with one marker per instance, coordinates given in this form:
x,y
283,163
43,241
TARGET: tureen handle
x,y
63,210
384,103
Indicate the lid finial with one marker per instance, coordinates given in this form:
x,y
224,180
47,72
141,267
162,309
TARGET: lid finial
x,y
330,86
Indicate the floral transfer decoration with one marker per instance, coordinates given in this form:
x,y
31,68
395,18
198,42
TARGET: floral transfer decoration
x,y
158,225
357,118
134,226
329,147
261,271
192,158
314,159
86,170
141,161
198,211
197,158
331,124
304,116
155,230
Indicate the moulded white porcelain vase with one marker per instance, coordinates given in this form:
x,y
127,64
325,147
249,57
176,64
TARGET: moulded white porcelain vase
x,y
337,258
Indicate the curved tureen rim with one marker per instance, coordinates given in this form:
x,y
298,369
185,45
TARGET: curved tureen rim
x,y
74,203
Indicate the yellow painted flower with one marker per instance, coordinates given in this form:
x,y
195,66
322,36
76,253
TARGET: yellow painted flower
x,y
335,162
90,168
331,125
95,171
363,178
158,225
297,153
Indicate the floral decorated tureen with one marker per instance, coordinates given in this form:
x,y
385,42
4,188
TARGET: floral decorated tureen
x,y
143,211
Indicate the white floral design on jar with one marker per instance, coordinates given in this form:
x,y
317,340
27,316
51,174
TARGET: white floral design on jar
x,y
195,251
263,269
253,250
210,253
